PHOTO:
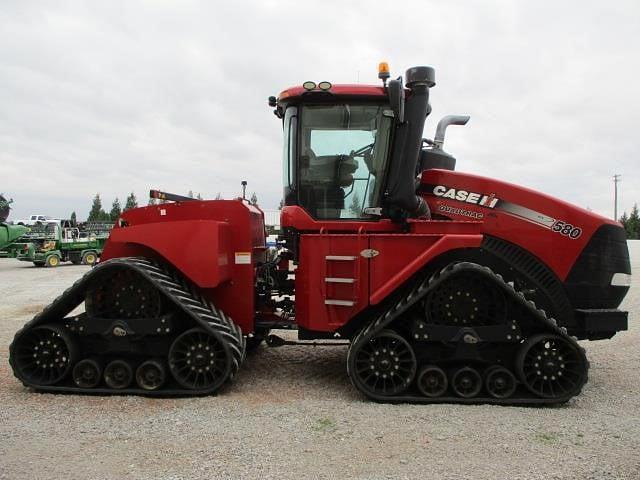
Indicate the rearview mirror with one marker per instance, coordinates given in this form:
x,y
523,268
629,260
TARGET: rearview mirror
x,y
396,98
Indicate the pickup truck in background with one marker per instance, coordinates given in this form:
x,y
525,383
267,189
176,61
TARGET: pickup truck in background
x,y
36,219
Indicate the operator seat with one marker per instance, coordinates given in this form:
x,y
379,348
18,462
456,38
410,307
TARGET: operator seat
x,y
322,182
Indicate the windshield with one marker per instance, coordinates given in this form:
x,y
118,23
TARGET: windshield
x,y
343,158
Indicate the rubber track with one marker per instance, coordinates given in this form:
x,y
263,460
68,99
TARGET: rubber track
x,y
176,288
418,292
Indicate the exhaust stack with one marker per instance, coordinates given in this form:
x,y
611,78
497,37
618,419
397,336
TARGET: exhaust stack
x,y
444,122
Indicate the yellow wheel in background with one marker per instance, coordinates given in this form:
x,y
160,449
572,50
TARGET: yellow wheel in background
x,y
52,261
89,258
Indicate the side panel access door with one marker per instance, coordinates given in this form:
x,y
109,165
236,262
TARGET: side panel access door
x,y
332,280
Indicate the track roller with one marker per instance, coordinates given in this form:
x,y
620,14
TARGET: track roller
x,y
151,375
432,381
87,373
44,355
499,382
118,374
466,382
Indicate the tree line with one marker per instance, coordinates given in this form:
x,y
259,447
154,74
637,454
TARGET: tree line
x,y
99,214
631,223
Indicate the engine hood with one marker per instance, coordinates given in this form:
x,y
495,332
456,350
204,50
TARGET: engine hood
x,y
553,230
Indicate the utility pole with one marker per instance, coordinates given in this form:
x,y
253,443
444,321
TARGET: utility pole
x,y
616,180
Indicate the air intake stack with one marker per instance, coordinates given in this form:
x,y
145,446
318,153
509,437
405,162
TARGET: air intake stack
x,y
401,194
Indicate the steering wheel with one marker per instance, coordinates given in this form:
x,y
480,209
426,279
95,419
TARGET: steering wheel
x,y
366,152
362,151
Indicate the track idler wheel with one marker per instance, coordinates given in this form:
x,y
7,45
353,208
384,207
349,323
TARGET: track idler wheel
x,y
552,367
151,375
499,382
44,355
87,373
466,382
432,381
118,374
199,360
386,365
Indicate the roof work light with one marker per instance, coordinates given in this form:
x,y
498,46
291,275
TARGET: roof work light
x,y
309,85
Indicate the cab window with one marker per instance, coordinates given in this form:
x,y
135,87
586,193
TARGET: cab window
x,y
342,159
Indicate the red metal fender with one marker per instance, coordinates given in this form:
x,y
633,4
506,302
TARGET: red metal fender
x,y
198,248
440,245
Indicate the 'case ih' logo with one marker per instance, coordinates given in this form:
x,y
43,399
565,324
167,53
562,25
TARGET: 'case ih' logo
x,y
488,201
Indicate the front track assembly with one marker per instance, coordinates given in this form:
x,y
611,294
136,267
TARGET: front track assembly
x,y
464,335
145,330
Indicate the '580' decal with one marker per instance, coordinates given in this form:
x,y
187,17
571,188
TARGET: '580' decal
x,y
566,229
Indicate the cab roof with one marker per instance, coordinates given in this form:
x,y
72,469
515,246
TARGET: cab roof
x,y
343,90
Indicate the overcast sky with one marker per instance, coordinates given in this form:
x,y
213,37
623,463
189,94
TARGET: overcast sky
x,y
113,97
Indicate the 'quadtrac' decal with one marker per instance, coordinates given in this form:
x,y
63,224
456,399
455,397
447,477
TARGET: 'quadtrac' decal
x,y
444,208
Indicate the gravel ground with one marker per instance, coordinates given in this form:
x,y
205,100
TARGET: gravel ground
x,y
292,413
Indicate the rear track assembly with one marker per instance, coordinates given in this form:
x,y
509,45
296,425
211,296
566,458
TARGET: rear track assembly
x,y
146,330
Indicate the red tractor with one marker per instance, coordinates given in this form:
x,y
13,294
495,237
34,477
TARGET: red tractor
x,y
447,286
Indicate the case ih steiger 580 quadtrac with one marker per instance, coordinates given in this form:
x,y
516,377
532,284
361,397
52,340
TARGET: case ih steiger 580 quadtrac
x,y
449,287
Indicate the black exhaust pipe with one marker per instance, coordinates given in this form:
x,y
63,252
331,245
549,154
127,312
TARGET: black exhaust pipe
x,y
401,191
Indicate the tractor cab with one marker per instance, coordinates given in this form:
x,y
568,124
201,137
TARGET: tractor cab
x,y
336,154
350,151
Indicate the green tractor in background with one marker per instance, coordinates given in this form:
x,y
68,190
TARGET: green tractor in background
x,y
48,243
51,243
